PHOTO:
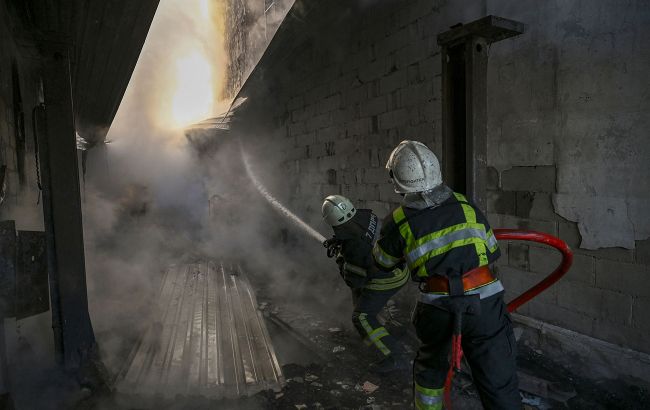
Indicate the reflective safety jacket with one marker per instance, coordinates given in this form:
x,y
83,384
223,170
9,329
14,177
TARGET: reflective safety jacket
x,y
449,239
357,237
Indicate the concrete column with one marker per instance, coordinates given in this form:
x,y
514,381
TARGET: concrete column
x,y
73,331
464,93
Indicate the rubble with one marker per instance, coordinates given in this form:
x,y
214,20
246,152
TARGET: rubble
x,y
369,387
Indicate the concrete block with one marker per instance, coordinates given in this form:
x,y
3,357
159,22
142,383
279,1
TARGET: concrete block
x,y
361,126
393,81
501,202
387,193
316,93
642,252
430,67
509,221
354,94
297,128
546,260
328,134
413,74
560,316
372,70
411,54
492,178
640,309
569,233
380,208
627,336
295,102
614,254
375,176
330,103
373,106
629,278
534,179
616,308
316,150
430,111
393,119
518,256
580,298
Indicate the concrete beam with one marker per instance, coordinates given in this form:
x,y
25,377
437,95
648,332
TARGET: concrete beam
x,y
73,331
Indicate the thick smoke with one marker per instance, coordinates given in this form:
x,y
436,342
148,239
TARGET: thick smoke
x,y
151,199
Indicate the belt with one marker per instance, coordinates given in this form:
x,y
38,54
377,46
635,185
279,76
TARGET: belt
x,y
473,279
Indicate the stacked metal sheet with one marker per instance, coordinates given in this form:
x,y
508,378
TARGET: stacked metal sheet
x,y
210,339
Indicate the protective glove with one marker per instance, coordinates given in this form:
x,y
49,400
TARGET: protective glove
x,y
333,246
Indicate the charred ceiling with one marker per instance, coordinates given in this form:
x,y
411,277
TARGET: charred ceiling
x,y
105,41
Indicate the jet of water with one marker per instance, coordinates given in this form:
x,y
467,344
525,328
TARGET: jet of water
x,y
277,205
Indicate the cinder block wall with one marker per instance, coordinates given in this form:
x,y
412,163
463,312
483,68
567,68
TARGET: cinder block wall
x,y
345,94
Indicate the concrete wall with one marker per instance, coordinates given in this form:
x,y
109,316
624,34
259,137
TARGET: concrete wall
x,y
342,84
568,142
250,26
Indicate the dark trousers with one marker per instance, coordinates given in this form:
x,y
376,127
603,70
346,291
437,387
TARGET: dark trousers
x,y
488,344
367,306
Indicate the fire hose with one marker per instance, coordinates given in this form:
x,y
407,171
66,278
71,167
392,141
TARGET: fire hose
x,y
561,270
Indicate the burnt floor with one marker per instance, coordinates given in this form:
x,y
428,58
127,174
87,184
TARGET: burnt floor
x,y
324,366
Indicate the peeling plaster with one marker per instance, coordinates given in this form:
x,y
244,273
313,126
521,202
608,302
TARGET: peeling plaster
x,y
604,222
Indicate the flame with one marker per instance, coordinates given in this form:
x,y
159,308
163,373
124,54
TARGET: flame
x,y
193,98
185,62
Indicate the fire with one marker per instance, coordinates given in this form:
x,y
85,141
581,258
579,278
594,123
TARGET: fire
x,y
190,56
193,98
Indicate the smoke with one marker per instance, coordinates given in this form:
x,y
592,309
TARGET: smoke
x,y
152,199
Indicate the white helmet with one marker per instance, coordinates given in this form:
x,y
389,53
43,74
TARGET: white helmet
x,y
337,210
413,168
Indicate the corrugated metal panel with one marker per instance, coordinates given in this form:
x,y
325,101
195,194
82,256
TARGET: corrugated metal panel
x,y
209,338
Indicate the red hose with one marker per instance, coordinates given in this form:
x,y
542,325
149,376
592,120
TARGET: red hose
x,y
561,270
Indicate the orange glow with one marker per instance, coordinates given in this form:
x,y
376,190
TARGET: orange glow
x,y
193,98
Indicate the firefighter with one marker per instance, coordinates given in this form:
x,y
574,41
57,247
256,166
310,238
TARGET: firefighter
x,y
355,232
448,246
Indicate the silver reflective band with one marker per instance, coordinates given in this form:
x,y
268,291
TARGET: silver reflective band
x,y
436,243
484,292
354,269
492,241
428,400
384,259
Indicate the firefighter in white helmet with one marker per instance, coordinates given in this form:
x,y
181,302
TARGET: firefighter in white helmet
x,y
355,232
448,245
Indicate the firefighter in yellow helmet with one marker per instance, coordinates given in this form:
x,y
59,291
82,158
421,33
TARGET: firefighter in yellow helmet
x,y
355,233
448,246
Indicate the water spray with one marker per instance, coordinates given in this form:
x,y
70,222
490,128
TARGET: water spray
x,y
277,205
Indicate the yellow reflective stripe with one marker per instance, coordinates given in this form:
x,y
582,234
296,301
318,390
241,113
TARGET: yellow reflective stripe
x,y
444,237
374,335
493,245
398,274
439,251
398,215
390,283
470,217
437,234
460,197
382,258
422,272
428,399
377,334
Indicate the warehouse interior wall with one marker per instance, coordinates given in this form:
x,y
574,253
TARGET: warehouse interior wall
x,y
566,134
